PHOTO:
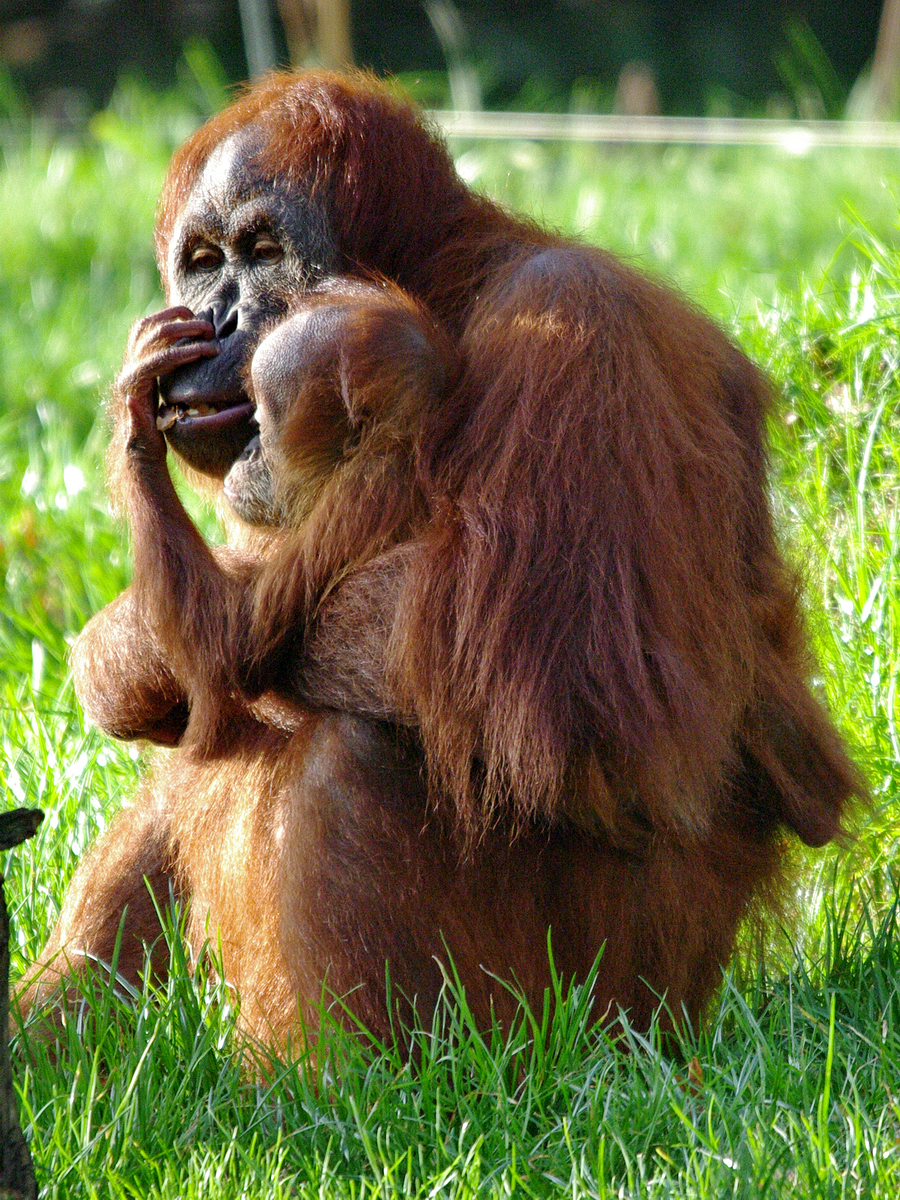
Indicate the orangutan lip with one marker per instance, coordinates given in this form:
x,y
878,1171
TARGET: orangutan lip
x,y
205,416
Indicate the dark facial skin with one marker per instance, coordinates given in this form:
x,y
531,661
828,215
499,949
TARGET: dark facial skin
x,y
242,250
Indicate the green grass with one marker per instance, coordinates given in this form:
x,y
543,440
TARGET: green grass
x,y
793,1086
733,226
785,1094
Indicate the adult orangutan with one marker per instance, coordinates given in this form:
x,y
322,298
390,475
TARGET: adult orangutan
x,y
500,643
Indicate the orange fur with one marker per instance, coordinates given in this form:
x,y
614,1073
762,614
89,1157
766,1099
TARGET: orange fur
x,y
521,654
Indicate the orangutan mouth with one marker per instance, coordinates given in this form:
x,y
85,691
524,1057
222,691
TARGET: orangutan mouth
x,y
209,416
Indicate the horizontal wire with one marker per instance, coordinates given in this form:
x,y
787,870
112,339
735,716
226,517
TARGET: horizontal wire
x,y
794,136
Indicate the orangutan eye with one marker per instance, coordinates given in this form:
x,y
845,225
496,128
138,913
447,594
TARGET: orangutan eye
x,y
267,248
204,257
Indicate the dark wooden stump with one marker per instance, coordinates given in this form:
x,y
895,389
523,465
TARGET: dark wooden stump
x,y
17,1180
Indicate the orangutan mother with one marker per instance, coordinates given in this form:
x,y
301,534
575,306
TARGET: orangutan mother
x,y
500,644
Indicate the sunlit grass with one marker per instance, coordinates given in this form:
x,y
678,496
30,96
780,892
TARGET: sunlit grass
x,y
732,226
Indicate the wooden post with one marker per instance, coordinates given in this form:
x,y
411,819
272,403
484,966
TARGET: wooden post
x,y
259,36
333,33
318,30
17,1180
885,77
